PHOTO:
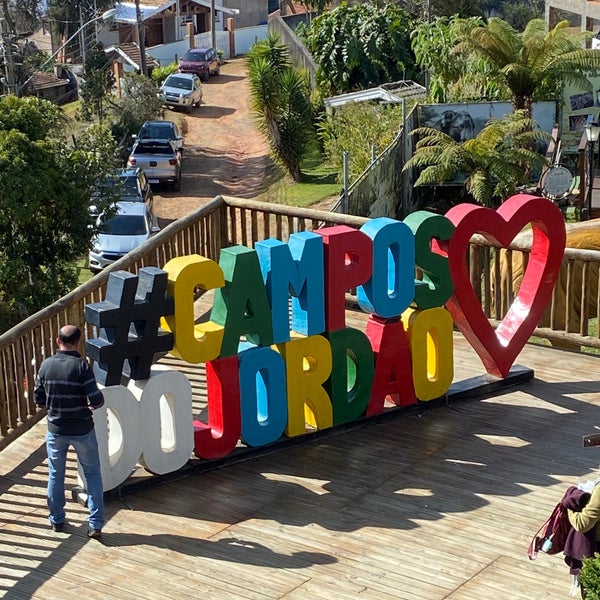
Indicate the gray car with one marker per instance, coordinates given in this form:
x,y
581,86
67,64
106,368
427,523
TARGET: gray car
x,y
159,159
182,90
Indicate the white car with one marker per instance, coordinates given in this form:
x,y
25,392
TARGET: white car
x,y
129,227
182,90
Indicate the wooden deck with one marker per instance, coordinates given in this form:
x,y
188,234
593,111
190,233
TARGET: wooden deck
x,y
431,505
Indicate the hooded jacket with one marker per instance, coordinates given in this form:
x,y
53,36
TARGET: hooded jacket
x,y
583,510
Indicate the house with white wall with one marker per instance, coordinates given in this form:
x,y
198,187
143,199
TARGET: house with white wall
x,y
167,21
170,25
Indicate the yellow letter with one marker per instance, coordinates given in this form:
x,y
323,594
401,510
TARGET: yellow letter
x,y
308,366
193,343
431,346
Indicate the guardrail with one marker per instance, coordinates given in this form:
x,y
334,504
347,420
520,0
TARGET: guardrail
x,y
572,316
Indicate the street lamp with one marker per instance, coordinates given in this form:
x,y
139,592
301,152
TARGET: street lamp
x,y
105,16
592,131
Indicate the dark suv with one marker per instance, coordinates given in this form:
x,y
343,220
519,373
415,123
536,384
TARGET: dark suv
x,y
127,185
204,62
161,130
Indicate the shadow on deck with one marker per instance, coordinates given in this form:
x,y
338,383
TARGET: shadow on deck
x,y
440,503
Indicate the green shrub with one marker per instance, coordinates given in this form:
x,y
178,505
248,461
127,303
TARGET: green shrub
x,y
280,97
356,128
589,578
159,74
139,102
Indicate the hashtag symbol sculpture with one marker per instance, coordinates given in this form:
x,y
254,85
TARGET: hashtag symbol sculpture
x,y
129,325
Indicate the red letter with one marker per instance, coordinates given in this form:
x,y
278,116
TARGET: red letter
x,y
393,369
348,260
220,436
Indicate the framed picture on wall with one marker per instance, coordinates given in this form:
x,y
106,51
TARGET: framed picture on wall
x,y
577,122
579,101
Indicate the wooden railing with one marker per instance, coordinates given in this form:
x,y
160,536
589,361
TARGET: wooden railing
x,y
572,316
227,221
221,223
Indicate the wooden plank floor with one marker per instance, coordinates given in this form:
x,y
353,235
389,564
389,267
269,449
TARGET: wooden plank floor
x,y
439,504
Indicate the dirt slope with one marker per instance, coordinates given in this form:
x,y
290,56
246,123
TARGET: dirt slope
x,y
224,153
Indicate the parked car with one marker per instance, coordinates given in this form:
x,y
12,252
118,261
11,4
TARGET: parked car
x,y
127,185
129,226
159,159
204,62
182,90
161,130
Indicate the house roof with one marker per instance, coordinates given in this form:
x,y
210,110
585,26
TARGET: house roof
x,y
41,81
126,11
218,7
291,8
131,53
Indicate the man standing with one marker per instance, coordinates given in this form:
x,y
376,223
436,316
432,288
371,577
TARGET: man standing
x,y
67,388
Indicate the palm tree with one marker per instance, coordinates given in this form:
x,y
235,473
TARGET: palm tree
x,y
280,96
534,63
494,164
454,76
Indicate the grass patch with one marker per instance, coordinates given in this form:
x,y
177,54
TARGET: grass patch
x,y
83,273
70,109
71,112
592,331
319,181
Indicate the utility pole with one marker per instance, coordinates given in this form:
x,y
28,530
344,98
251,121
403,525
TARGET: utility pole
x,y
87,11
82,36
9,65
141,38
213,30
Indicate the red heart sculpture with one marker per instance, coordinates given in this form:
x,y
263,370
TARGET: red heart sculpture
x,y
498,349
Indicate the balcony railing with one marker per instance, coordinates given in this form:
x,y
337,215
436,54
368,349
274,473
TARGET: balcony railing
x,y
221,223
227,221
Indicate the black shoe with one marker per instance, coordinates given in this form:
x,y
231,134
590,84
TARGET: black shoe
x,y
94,534
57,527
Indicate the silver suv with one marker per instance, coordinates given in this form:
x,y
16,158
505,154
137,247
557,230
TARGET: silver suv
x,y
129,226
159,159
182,90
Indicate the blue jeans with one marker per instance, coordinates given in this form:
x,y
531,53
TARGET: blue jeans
x,y
86,448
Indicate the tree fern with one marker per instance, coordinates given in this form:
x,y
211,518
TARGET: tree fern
x,y
493,164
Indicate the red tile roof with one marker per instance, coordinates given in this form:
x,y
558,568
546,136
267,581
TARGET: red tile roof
x,y
132,50
42,80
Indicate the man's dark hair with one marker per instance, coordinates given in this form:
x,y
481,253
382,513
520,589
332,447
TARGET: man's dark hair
x,y
69,334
